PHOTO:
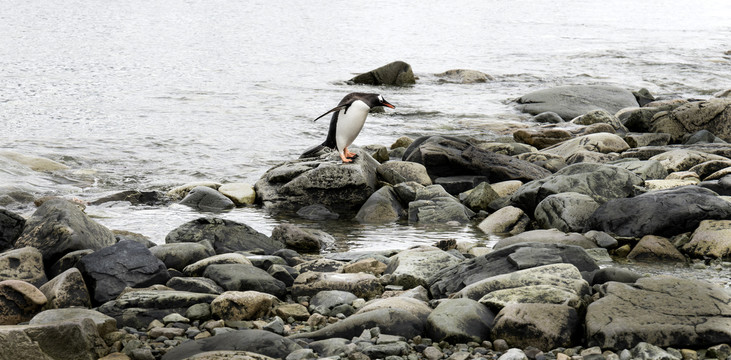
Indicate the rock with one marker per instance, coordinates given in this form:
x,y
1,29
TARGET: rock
x,y
434,205
681,210
292,185
23,264
572,101
547,236
601,182
542,138
413,267
395,172
480,197
377,152
645,169
700,137
195,284
301,239
545,326
126,264
713,115
707,168
548,117
67,261
402,142
35,163
684,159
644,350
362,285
329,347
532,294
134,197
591,157
319,265
207,199
413,306
58,227
226,236
507,260
513,354
566,212
397,73
240,277
197,268
19,301
459,184
183,190
712,238
11,226
256,341
65,340
370,266
295,311
628,314
602,143
508,220
459,321
326,302
317,212
66,290
179,255
243,305
390,321
602,239
239,193
463,76
104,324
450,156
618,274
381,207
140,307
655,248
635,140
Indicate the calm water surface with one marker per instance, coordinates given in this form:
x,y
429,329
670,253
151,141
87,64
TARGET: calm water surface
x,y
152,95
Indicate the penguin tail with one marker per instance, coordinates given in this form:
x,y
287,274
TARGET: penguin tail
x,y
315,151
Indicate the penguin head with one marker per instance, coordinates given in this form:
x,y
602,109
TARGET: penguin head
x,y
382,102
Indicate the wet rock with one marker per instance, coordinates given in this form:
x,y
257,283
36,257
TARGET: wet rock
x,y
195,284
197,268
140,307
545,326
134,197
712,238
601,117
458,184
179,255
464,76
23,264
240,277
255,341
566,212
226,236
11,226
548,117
382,207
317,212
602,239
19,301
450,156
684,159
327,302
433,205
301,239
507,260
655,248
547,236
635,140
239,193
395,172
662,212
58,227
416,266
480,197
602,143
243,305
460,321
206,199
572,101
104,324
629,314
397,73
181,191
713,115
645,169
362,285
66,290
618,274
390,321
64,340
508,220
339,187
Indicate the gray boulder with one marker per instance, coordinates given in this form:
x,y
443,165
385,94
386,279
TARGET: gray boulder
x,y
597,143
140,307
179,255
361,284
464,76
434,205
226,236
58,227
480,197
395,172
543,137
628,314
340,187
107,272
240,277
601,117
23,264
546,236
416,266
59,340
256,341
459,321
301,239
645,169
397,73
545,326
662,212
566,212
11,226
195,284
207,199
390,321
330,302
104,324
635,140
66,290
575,100
381,207
713,115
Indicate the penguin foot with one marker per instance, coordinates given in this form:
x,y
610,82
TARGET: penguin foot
x,y
349,154
345,159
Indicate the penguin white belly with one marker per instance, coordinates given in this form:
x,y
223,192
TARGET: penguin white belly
x,y
350,123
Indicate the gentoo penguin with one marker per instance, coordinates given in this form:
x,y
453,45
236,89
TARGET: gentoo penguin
x,y
348,119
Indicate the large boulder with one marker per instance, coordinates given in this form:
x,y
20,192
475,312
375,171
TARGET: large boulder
x,y
58,227
397,73
545,326
23,264
567,211
712,238
66,290
140,307
664,311
381,207
662,212
11,226
451,156
601,143
206,199
395,172
390,321
104,324
226,236
460,321
713,115
240,277
107,272
59,340
312,282
575,100
413,267
243,305
256,341
179,255
19,301
341,187
433,204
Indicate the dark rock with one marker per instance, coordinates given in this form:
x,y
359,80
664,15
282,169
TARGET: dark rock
x,y
572,101
317,212
460,321
458,184
283,273
662,212
194,284
68,261
134,197
58,227
545,326
390,321
240,277
433,205
324,302
138,308
618,274
107,272
397,73
643,96
179,255
381,207
329,347
480,197
645,169
713,115
11,226
567,211
301,239
646,139
207,199
549,117
226,236
542,138
701,136
257,341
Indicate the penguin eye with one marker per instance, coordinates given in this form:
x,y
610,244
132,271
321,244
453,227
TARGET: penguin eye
x,y
380,98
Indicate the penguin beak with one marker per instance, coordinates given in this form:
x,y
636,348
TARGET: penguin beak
x,y
386,103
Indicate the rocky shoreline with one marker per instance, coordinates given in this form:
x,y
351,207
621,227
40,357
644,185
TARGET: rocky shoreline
x,y
603,175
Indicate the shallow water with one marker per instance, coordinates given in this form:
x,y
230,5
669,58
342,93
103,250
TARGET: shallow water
x,y
141,95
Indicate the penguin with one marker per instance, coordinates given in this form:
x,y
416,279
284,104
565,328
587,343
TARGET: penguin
x,y
347,121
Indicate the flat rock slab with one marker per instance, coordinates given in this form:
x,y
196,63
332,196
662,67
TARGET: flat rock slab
x,y
361,284
575,100
257,341
664,311
390,321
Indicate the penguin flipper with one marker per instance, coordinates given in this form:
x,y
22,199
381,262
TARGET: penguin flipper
x,y
337,108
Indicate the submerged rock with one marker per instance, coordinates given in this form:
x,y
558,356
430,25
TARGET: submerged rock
x,y
206,199
396,73
464,76
575,100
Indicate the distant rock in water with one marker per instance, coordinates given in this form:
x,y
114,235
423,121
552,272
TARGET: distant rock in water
x,y
462,76
396,73
576,100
